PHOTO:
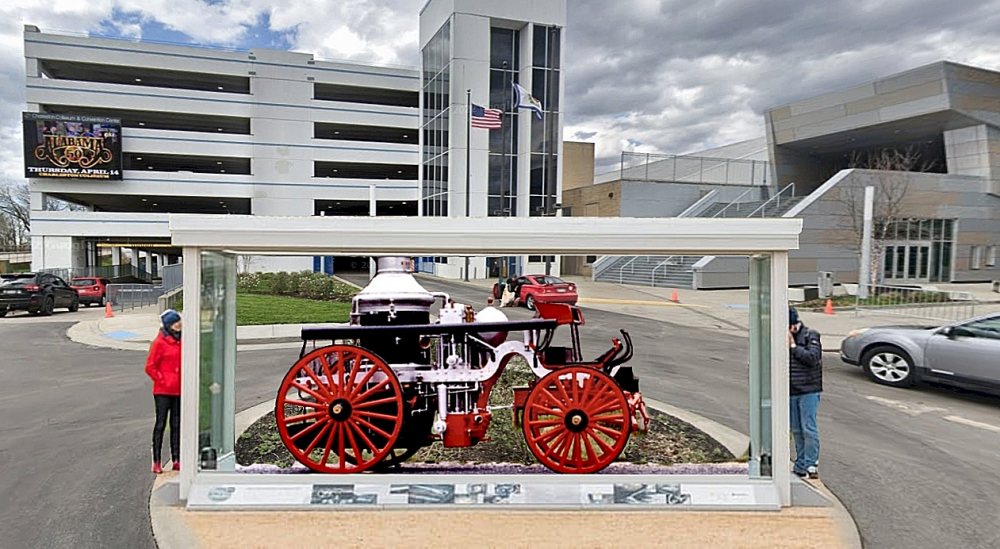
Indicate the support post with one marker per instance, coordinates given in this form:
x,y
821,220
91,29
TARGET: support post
x,y
781,472
865,270
371,213
190,368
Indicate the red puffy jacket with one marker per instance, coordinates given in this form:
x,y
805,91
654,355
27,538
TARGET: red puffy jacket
x,y
164,365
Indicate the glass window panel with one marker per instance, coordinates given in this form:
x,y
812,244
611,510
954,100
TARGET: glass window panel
x,y
538,56
499,86
537,206
551,164
912,263
924,260
217,367
538,81
537,174
900,261
551,98
554,45
888,263
501,46
935,261
493,181
949,226
946,262
537,135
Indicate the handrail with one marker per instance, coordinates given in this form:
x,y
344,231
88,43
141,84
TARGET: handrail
x,y
621,270
734,201
762,207
698,204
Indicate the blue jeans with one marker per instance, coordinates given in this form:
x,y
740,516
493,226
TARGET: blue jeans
x,y
805,432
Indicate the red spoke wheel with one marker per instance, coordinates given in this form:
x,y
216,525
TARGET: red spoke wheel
x,y
339,410
576,420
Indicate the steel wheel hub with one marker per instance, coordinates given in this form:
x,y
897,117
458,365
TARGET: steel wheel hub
x,y
576,421
340,410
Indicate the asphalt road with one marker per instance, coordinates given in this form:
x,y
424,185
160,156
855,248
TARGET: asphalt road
x,y
915,468
909,476
75,436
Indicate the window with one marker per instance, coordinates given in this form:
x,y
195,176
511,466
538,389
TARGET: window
x,y
540,259
986,327
991,256
435,122
590,259
977,257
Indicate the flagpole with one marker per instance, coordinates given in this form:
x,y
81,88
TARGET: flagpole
x,y
468,165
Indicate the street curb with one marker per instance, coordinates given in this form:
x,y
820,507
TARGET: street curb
x,y
736,442
845,521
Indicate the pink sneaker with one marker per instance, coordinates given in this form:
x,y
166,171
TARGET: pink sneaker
x,y
177,465
157,469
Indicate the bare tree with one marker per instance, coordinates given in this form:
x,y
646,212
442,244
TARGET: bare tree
x,y
15,213
243,263
889,203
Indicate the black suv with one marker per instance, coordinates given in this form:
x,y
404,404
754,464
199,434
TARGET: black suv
x,y
37,293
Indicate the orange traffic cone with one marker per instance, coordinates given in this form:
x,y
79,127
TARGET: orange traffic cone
x,y
108,313
674,297
829,306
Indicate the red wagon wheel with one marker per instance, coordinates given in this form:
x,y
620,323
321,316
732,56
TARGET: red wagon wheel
x,y
576,420
339,410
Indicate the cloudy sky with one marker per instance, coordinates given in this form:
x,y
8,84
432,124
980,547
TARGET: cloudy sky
x,y
668,76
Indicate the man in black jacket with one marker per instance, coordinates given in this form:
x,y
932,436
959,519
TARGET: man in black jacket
x,y
805,380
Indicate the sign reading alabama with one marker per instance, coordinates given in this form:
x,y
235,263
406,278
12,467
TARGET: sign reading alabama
x,y
76,147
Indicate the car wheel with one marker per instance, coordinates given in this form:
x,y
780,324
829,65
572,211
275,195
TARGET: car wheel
x,y
3,313
48,306
529,302
75,306
103,301
889,365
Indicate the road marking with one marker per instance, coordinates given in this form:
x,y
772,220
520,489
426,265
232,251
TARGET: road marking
x,y
971,423
908,408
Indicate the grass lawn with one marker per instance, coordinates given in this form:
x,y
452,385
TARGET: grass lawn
x,y
254,310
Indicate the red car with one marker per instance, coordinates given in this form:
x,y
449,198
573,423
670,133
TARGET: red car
x,y
91,289
544,288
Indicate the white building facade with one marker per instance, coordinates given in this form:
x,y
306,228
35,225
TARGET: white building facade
x,y
481,48
212,131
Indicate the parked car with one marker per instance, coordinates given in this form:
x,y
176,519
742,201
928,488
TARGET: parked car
x,y
92,290
548,289
962,353
37,293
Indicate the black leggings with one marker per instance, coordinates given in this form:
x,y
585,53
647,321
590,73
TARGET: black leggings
x,y
167,405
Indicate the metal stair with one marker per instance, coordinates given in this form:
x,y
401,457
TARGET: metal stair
x,y
676,271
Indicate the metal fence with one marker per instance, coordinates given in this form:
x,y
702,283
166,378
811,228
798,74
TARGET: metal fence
x,y
689,169
916,302
132,296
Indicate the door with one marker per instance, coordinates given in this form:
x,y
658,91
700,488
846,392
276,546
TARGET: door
x,y
62,292
972,351
907,261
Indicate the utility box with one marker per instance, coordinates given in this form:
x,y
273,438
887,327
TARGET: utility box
x,y
825,284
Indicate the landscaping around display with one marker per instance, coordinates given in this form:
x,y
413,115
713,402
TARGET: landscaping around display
x,y
669,440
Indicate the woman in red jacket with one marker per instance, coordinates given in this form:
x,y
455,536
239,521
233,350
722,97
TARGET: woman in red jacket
x,y
164,367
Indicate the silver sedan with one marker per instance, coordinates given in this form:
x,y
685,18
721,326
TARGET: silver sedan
x,y
963,353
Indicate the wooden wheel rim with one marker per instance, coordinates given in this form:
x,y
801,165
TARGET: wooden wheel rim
x,y
576,420
349,402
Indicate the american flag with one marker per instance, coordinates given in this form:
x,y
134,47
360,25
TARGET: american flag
x,y
487,119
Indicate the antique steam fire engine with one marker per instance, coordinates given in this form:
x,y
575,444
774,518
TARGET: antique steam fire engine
x,y
393,382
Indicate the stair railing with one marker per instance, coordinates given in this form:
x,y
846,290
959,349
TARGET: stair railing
x,y
734,201
776,199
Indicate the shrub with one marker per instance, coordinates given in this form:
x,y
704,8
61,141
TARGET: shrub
x,y
303,284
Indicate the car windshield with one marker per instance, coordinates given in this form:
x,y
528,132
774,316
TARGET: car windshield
x,y
11,278
549,280
83,282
